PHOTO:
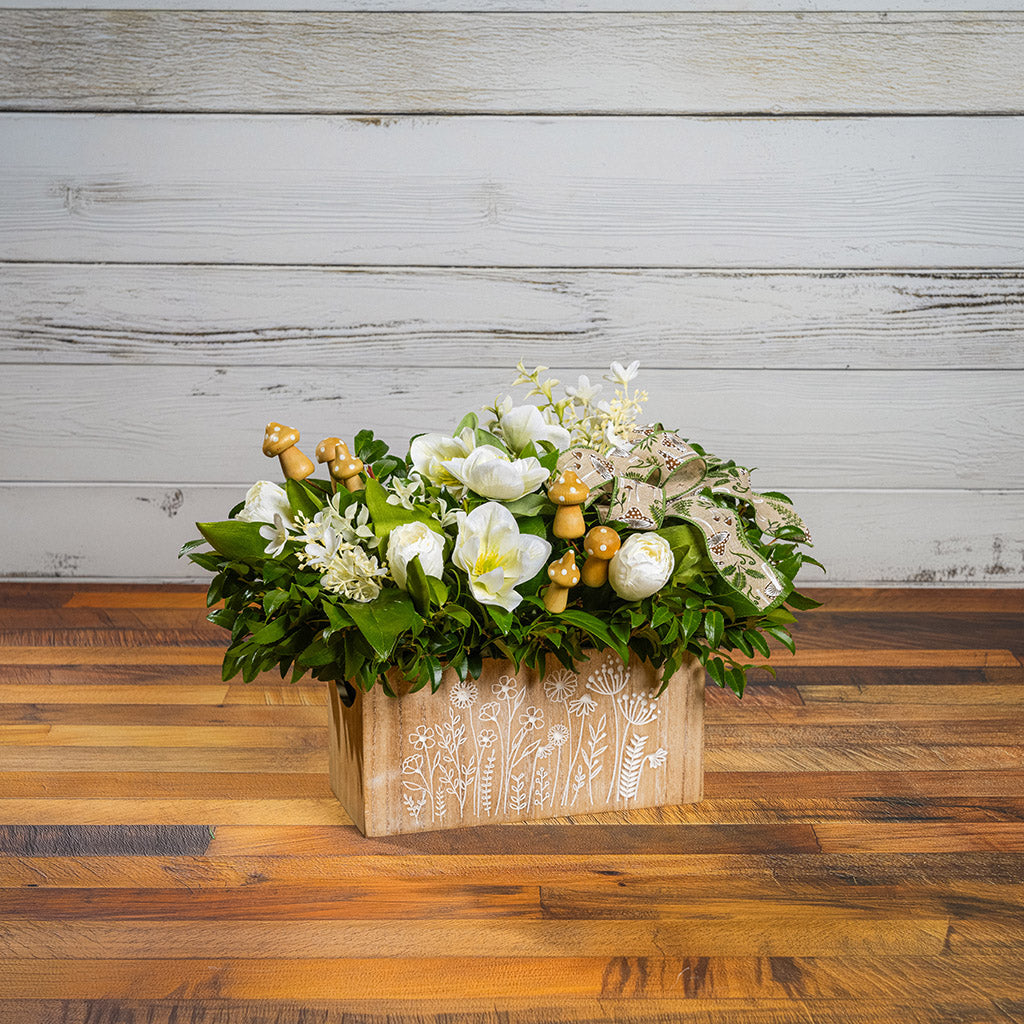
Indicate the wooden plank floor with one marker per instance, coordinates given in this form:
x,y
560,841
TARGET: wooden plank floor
x,y
170,851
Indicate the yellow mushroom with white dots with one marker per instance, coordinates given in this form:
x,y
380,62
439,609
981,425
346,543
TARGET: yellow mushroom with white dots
x,y
345,468
280,440
600,544
564,575
568,492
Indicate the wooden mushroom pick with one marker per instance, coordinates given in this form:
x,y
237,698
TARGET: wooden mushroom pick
x,y
325,453
346,467
564,575
600,544
568,492
280,440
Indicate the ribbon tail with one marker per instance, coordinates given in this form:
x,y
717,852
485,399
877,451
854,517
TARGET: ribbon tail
x,y
737,562
770,513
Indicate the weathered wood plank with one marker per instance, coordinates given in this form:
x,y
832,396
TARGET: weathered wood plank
x,y
428,318
622,974
485,191
826,933
913,837
101,422
63,840
163,61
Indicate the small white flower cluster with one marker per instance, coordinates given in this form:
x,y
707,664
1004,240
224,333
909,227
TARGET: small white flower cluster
x,y
583,419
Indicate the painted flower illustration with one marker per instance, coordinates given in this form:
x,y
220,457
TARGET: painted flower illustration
x,y
489,712
422,738
412,764
532,718
582,705
560,687
558,735
505,688
464,694
486,739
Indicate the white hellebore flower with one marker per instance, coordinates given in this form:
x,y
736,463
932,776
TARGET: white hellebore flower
x,y
641,567
430,452
496,556
525,423
412,539
277,535
490,473
263,501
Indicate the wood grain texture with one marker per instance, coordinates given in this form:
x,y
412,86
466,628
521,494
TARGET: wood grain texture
x,y
427,318
858,856
485,191
918,537
101,422
531,63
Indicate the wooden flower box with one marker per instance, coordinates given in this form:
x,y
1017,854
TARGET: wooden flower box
x,y
508,747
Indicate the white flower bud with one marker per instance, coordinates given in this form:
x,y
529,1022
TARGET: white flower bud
x,y
641,567
263,501
409,540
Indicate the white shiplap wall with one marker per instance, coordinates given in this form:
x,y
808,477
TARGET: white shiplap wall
x,y
807,224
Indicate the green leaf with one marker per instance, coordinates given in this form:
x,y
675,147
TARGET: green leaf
x,y
595,627
191,545
270,633
301,498
417,585
386,517
801,602
780,616
486,437
782,635
530,505
714,624
438,591
273,599
383,620
690,621
502,619
758,642
317,653
234,539
469,420
208,560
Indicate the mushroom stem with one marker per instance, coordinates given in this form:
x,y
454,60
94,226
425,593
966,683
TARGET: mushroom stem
x,y
595,572
294,464
564,575
555,598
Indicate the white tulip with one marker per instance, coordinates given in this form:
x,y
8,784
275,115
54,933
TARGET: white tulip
x,y
409,540
496,556
429,452
641,567
263,501
525,423
490,473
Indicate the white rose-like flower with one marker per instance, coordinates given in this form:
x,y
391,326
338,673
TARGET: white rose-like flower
x,y
409,540
525,423
429,452
489,472
641,567
263,501
496,556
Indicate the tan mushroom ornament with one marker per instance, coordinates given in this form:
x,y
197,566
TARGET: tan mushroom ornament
x,y
280,440
325,453
568,492
600,544
346,468
564,575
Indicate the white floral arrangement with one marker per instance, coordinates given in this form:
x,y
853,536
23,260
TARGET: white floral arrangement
x,y
551,527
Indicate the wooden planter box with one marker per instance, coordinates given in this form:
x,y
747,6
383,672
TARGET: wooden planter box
x,y
507,747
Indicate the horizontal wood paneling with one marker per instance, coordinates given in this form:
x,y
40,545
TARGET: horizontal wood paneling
x,y
959,538
337,316
635,63
511,6
879,192
802,428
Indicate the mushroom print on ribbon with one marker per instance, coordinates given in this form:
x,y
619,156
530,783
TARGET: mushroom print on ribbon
x,y
656,475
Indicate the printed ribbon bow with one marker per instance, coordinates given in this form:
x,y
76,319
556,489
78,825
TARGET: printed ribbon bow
x,y
656,475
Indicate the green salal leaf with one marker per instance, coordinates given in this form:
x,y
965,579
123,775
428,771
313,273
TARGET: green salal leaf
x,y
418,586
302,499
234,539
383,620
486,437
470,420
530,505
386,517
801,602
596,628
270,633
714,624
191,545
